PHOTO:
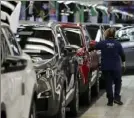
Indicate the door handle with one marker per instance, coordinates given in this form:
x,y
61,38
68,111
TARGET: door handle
x,y
132,48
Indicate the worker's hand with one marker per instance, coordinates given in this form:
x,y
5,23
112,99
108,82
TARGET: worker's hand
x,y
124,66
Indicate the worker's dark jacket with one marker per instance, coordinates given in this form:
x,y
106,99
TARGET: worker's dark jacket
x,y
111,53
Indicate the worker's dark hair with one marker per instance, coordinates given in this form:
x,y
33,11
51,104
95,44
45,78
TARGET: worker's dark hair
x,y
109,33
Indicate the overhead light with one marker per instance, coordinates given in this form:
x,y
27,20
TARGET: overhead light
x,y
60,1
86,10
68,2
66,14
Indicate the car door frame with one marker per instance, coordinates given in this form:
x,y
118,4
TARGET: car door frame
x,y
11,52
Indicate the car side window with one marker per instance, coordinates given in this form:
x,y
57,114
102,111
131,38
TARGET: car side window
x,y
5,51
92,30
13,43
59,31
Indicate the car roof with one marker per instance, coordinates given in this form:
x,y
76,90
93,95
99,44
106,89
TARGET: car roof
x,y
127,27
34,24
71,25
96,24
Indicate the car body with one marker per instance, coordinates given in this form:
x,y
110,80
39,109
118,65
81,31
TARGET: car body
x,y
96,32
55,69
18,79
73,34
125,36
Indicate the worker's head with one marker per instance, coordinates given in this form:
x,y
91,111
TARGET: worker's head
x,y
109,33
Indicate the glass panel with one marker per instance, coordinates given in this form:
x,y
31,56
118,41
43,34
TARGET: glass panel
x,y
73,35
37,43
92,30
12,41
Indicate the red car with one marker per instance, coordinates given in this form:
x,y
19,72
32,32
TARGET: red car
x,y
88,62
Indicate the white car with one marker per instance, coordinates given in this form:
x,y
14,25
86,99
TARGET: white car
x,y
18,79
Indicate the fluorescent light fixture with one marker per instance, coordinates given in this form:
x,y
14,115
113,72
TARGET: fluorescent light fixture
x,y
66,14
42,28
60,1
68,2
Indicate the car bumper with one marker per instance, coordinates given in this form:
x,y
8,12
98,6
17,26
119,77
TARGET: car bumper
x,y
48,105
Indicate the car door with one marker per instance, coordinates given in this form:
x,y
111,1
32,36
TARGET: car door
x,y
11,83
85,67
75,37
58,74
62,58
28,75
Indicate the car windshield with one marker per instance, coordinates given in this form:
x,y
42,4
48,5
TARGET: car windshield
x,y
127,33
73,36
37,42
92,30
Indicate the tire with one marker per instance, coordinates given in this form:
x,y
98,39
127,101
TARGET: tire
x,y
62,110
74,105
96,88
102,82
3,114
87,96
33,110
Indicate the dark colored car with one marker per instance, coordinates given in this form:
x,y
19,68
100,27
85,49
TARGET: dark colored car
x,y
74,34
56,70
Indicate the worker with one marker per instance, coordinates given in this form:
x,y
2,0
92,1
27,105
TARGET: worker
x,y
112,54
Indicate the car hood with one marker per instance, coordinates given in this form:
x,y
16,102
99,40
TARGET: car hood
x,y
127,44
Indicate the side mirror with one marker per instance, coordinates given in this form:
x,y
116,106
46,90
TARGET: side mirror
x,y
14,64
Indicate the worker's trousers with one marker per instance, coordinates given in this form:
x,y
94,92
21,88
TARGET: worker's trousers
x,y
113,77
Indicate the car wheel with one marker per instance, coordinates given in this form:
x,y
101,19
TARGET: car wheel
x,y
96,88
62,109
33,110
102,82
74,105
87,96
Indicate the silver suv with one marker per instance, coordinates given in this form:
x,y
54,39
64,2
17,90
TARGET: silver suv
x,y
18,79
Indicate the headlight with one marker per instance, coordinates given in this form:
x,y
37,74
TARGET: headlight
x,y
43,84
36,59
